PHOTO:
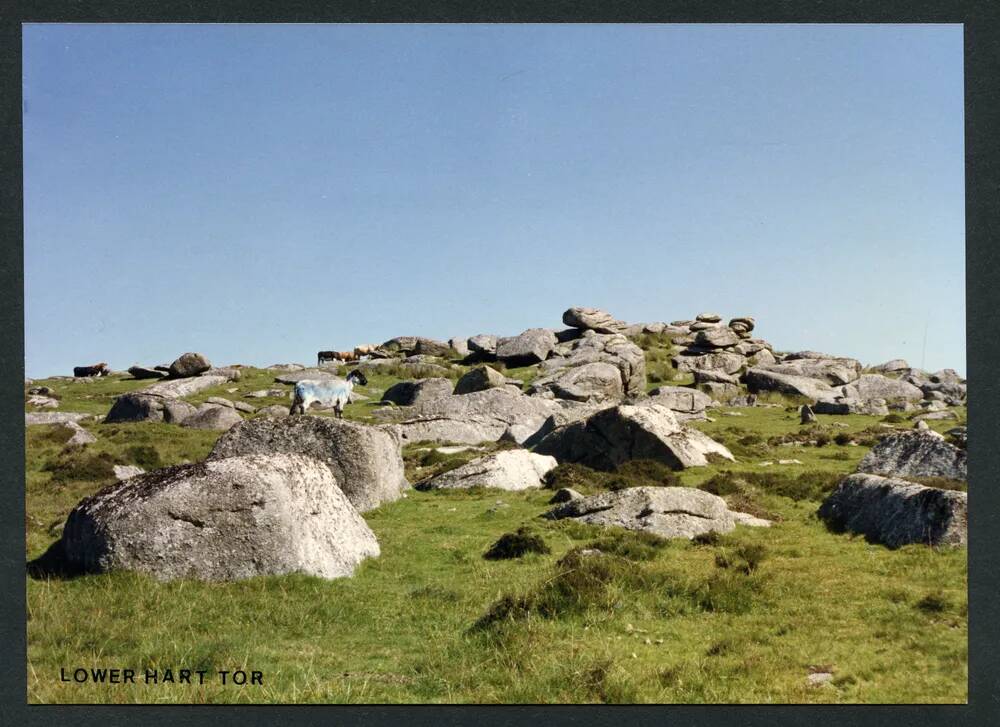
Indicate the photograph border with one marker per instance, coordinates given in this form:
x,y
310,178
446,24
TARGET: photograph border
x,y
982,128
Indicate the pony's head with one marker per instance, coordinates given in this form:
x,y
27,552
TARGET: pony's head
x,y
357,377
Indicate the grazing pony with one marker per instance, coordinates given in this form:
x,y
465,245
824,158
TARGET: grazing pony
x,y
100,369
335,393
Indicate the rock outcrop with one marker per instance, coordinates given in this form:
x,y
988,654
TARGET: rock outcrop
x,y
596,383
480,378
894,512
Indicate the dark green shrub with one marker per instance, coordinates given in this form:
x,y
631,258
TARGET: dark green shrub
x,y
746,558
515,545
146,456
934,602
647,472
893,419
630,544
81,465
728,592
842,438
822,440
574,476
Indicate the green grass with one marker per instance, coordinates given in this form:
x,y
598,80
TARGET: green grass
x,y
740,617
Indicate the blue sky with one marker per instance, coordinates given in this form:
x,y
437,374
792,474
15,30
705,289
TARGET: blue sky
x,y
260,192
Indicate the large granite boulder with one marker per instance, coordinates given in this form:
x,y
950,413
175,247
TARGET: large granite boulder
x,y
480,378
460,345
875,386
669,512
212,416
693,360
759,379
189,364
591,382
852,405
312,374
408,393
832,371
530,347
593,319
176,388
512,469
895,512
136,408
483,344
482,416
224,519
614,349
431,347
365,460
721,337
896,364
141,372
915,453
684,402
618,434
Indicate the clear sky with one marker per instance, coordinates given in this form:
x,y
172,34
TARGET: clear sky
x,y
260,192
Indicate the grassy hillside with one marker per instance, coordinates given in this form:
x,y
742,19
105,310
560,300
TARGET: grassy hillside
x,y
744,617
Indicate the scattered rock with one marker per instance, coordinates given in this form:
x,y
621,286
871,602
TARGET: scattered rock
x,y
708,317
894,512
43,402
81,437
513,469
219,520
461,346
285,367
591,382
937,415
365,460
851,405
